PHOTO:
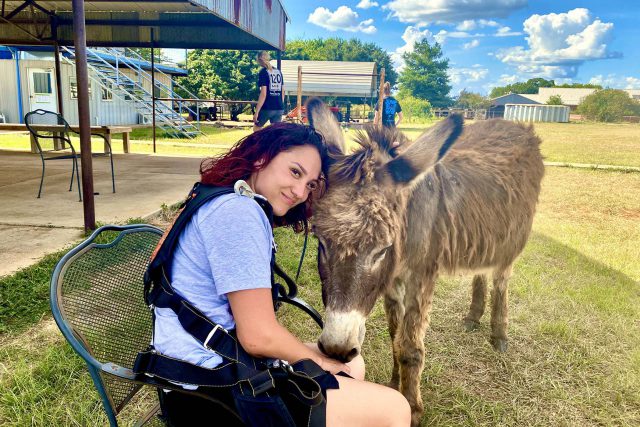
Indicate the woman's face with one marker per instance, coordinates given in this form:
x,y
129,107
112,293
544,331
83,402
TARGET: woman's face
x,y
289,178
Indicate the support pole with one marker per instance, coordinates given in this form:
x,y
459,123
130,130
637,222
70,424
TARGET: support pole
x,y
380,97
56,52
300,93
153,89
279,60
82,76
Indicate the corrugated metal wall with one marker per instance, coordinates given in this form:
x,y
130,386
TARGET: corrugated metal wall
x,y
112,112
8,91
536,113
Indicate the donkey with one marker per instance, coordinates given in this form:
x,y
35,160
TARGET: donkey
x,y
458,199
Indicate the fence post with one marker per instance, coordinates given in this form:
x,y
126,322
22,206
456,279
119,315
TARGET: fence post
x,y
380,96
300,93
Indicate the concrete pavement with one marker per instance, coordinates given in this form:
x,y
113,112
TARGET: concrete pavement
x,y
32,227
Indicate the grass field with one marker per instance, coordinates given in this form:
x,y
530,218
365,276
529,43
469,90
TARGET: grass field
x,y
574,355
576,142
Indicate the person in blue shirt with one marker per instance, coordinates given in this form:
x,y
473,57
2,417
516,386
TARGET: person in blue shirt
x,y
222,266
390,107
270,105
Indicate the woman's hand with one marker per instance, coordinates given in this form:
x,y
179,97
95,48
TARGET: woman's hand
x,y
334,366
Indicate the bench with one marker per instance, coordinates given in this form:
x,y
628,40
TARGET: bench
x,y
107,131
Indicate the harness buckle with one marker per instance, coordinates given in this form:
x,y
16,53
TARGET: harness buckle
x,y
213,331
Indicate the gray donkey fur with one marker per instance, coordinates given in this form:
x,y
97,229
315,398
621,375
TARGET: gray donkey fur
x,y
392,222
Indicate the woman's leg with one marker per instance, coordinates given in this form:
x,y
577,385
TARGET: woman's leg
x,y
361,403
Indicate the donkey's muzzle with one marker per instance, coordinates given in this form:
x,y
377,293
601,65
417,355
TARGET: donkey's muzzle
x,y
338,354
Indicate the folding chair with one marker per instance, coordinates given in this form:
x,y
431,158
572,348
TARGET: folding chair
x,y
97,302
58,131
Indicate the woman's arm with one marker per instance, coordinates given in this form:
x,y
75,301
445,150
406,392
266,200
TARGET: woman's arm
x,y
399,118
261,335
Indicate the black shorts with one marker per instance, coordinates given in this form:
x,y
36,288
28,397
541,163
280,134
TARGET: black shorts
x,y
188,410
273,116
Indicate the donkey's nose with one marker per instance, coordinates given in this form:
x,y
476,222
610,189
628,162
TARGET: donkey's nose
x,y
337,353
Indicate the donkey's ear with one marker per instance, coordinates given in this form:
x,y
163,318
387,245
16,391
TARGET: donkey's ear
x,y
323,120
423,154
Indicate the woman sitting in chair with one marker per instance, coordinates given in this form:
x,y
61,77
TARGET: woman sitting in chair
x,y
222,267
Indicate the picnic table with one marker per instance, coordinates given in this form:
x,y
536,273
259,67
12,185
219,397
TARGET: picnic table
x,y
107,131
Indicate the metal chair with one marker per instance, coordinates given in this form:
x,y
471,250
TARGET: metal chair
x,y
97,301
44,124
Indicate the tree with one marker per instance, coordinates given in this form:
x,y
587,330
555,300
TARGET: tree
x,y
415,110
425,74
554,100
472,100
530,86
226,74
608,105
337,49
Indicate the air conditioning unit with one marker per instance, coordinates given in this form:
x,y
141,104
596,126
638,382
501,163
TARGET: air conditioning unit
x,y
144,119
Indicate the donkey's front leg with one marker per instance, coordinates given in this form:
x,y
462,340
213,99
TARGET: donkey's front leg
x,y
478,302
394,308
500,309
417,303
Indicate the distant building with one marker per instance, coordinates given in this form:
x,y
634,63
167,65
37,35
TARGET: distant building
x,y
28,83
572,97
498,104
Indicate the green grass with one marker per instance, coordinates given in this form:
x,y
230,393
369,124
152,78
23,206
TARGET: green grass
x,y
576,142
573,360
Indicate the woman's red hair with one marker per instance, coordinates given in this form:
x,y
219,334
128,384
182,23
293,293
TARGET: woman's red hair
x,y
255,151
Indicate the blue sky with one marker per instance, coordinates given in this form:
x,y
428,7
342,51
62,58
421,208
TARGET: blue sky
x,y
492,42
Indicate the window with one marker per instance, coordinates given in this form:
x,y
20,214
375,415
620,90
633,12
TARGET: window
x,y
106,91
73,87
42,83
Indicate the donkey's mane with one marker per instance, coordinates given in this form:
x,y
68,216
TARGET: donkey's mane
x,y
375,145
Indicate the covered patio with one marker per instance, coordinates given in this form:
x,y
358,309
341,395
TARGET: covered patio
x,y
31,227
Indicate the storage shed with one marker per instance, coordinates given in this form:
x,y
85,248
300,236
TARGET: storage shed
x,y
330,78
536,113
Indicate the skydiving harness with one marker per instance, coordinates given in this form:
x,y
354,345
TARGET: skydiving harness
x,y
259,386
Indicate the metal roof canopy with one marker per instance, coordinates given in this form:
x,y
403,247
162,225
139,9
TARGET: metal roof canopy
x,y
192,24
331,78
213,24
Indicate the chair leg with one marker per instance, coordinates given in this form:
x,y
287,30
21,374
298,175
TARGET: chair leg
x,y
78,179
41,179
73,170
113,178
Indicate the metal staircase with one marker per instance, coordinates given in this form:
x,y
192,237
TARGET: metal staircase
x,y
134,90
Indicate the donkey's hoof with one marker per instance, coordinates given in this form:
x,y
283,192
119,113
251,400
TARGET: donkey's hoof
x,y
500,344
471,325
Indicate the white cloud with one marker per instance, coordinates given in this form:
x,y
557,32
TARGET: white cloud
x,y
560,43
467,75
411,36
366,4
473,43
423,12
442,35
615,81
506,32
470,24
342,19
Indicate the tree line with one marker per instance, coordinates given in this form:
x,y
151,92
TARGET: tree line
x,y
422,83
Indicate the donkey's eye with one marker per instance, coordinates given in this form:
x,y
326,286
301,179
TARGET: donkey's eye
x,y
379,256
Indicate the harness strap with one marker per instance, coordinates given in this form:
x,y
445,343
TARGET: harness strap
x,y
297,379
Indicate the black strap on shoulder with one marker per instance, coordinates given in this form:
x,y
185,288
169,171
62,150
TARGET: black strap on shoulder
x,y
237,366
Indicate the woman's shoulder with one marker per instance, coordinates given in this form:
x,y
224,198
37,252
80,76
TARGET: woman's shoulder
x,y
232,208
